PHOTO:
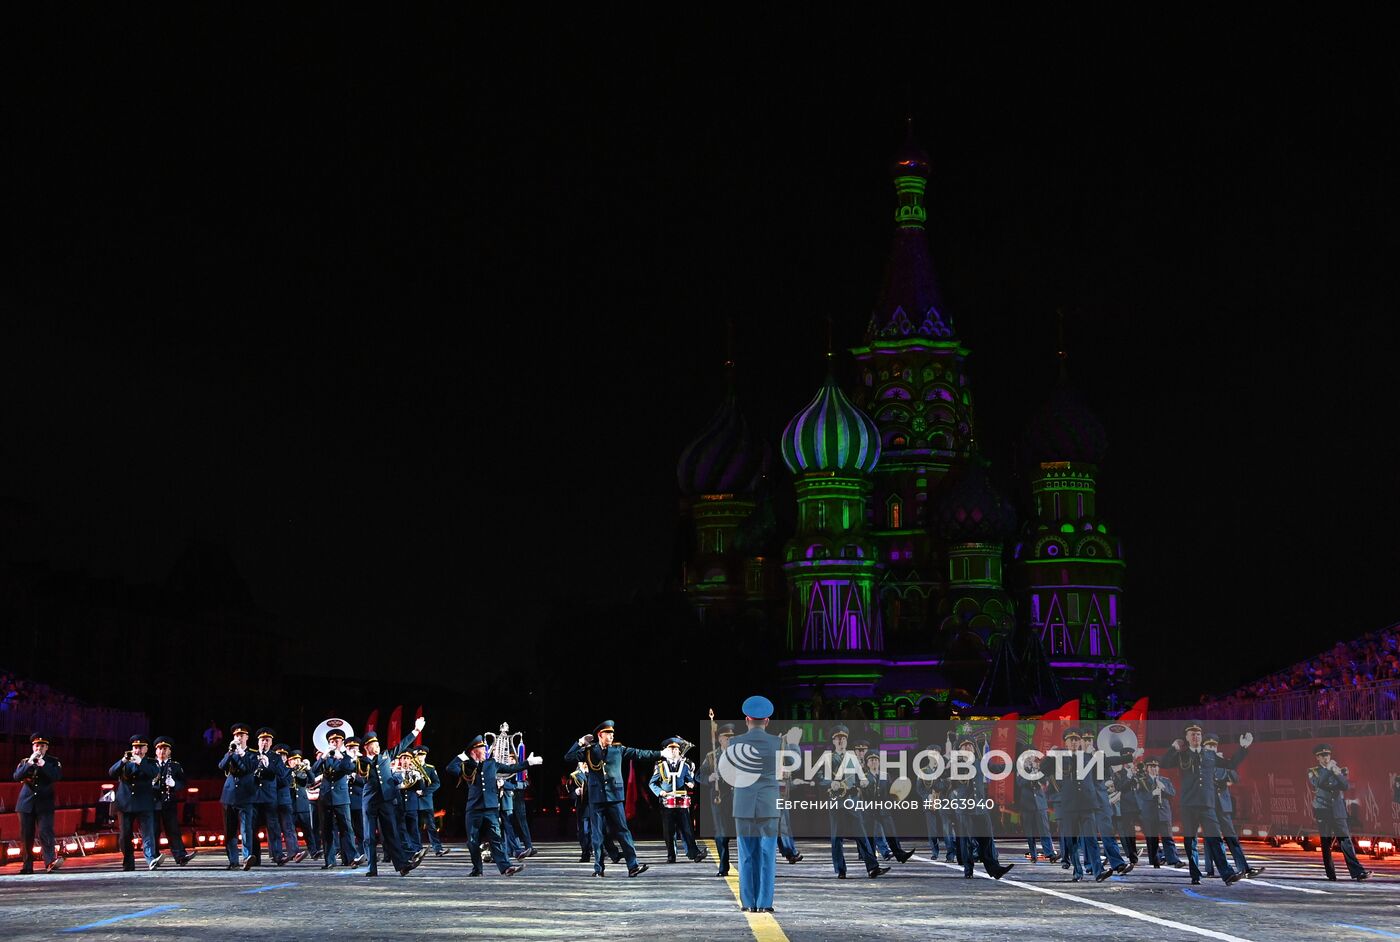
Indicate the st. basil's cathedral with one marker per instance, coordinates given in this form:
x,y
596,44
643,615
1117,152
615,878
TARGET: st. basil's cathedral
x,y
910,587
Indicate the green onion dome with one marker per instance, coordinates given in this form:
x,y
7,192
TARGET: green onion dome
x,y
831,434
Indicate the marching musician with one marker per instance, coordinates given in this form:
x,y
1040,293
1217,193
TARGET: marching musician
x,y
1198,806
1158,792
336,769
300,772
1104,815
515,809
284,812
357,799
411,793
427,817
1329,781
882,819
1224,778
786,846
974,814
237,797
478,769
1034,808
1078,808
136,799
381,801
265,777
578,783
836,780
1132,806
168,783
721,797
606,787
38,772
672,782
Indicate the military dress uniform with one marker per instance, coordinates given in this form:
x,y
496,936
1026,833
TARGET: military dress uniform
x,y
267,772
1104,817
606,793
301,802
517,816
933,821
1078,807
1157,794
36,805
1198,803
1225,813
170,780
284,813
756,807
583,822
1130,811
483,805
1330,809
975,817
1035,816
719,801
381,806
136,801
881,820
357,800
427,817
673,785
334,801
237,798
841,788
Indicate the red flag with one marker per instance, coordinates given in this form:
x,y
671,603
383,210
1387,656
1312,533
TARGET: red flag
x,y
372,722
631,803
1135,718
1049,730
1003,790
418,736
395,728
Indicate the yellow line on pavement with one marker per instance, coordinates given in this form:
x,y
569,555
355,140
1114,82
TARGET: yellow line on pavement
x,y
763,926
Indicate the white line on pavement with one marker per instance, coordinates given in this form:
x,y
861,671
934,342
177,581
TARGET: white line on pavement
x,y
1109,907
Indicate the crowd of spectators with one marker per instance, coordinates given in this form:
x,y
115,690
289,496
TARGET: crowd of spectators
x,y
1372,658
15,690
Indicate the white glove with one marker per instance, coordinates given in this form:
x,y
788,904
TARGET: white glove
x,y
1246,740
533,759
169,780
583,740
462,756
578,791
418,724
714,776
1137,753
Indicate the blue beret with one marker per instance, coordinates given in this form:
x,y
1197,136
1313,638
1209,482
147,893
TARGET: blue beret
x,y
758,707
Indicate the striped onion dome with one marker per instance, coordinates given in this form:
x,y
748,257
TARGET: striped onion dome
x,y
831,434
723,458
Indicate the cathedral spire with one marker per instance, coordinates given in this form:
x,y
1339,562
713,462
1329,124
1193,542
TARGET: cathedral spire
x,y
909,306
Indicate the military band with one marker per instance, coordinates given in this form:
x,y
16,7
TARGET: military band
x,y
273,786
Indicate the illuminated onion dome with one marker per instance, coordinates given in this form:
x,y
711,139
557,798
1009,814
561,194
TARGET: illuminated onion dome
x,y
724,458
1065,430
831,434
973,510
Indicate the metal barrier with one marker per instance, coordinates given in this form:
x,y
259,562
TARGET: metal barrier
x,y
1368,709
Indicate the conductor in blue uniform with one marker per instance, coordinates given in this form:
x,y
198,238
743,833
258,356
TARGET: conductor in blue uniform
x,y
754,757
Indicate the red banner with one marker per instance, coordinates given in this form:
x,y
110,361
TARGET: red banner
x,y
1003,791
395,728
1049,730
372,723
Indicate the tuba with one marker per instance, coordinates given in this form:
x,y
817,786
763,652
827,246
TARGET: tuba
x,y
504,747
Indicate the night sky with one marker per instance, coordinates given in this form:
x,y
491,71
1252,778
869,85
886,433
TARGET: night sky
x,y
416,317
